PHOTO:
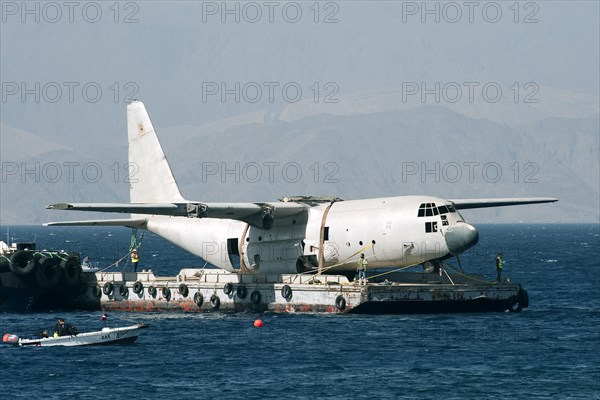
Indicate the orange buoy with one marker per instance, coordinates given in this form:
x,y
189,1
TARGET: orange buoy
x,y
258,323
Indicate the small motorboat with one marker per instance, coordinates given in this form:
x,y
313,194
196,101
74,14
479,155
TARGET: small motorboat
x,y
127,334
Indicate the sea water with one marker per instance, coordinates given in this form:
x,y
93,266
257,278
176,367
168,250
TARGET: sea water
x,y
550,350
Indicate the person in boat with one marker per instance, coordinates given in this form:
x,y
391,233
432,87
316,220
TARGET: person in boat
x,y
64,329
41,335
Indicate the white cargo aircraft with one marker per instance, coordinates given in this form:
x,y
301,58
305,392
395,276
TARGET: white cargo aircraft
x,y
295,234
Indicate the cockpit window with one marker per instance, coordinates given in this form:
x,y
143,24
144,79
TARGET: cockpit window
x,y
427,210
430,210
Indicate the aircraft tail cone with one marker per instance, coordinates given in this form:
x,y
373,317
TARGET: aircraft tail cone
x,y
461,237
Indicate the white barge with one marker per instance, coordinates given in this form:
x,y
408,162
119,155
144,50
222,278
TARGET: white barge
x,y
197,290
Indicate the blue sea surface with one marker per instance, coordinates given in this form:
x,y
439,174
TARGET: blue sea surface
x,y
550,350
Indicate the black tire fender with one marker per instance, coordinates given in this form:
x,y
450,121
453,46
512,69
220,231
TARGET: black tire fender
x,y
166,292
340,302
198,299
138,287
22,262
215,302
183,290
96,291
286,292
255,297
228,288
524,299
108,288
71,271
241,291
124,290
152,291
518,308
48,272
4,264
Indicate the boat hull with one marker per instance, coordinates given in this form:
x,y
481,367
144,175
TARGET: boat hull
x,y
106,336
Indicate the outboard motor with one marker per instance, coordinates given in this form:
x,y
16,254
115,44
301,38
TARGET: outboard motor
x,y
10,338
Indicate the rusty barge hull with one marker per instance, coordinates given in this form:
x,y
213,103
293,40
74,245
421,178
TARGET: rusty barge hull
x,y
218,291
391,303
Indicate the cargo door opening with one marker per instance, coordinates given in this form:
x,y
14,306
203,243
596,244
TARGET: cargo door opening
x,y
233,252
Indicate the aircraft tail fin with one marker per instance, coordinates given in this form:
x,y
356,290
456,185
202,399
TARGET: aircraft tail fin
x,y
150,174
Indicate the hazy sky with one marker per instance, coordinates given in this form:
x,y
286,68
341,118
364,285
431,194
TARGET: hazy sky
x,y
67,70
69,73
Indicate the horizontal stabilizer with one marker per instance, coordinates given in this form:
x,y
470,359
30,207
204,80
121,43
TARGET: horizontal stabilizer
x,y
133,208
464,204
130,223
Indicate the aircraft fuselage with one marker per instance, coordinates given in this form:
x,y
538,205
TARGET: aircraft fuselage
x,y
390,231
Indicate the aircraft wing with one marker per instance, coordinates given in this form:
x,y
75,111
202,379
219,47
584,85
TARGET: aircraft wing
x,y
260,215
463,204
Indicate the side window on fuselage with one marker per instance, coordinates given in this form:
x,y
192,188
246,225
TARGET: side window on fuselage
x,y
431,227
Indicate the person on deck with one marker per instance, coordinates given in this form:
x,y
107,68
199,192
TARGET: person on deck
x,y
499,268
135,259
362,269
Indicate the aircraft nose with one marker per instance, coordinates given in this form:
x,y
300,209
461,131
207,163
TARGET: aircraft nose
x,y
460,237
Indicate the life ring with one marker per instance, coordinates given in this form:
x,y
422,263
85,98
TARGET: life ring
x,y
108,288
138,287
183,290
22,262
228,288
286,292
255,297
340,302
241,291
215,302
166,292
96,291
198,299
124,290
71,271
48,272
152,291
